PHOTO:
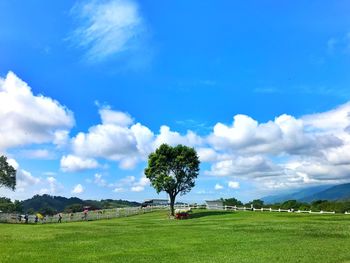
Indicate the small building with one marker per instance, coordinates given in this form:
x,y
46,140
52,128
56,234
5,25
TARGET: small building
x,y
155,202
215,204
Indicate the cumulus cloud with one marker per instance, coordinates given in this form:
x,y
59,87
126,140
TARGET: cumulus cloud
x,y
99,180
173,138
37,154
78,189
218,187
249,167
119,139
233,185
127,183
23,177
287,151
28,184
109,116
113,140
206,154
27,118
285,134
71,163
108,28
140,185
52,186
119,190
137,188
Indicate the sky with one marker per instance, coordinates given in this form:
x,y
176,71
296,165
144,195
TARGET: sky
x,y
88,89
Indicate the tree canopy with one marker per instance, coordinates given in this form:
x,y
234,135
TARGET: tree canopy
x,y
173,170
7,174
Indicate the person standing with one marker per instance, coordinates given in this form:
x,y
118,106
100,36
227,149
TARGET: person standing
x,y
26,218
85,214
59,218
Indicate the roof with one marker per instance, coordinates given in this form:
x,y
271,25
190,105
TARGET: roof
x,y
163,200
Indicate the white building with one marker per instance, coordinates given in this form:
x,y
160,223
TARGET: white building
x,y
215,204
156,202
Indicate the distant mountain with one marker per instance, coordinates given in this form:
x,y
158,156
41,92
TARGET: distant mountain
x,y
335,193
57,203
51,204
300,195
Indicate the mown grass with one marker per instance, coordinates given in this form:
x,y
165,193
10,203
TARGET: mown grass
x,y
210,236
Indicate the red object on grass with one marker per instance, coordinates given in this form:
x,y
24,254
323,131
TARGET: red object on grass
x,y
182,216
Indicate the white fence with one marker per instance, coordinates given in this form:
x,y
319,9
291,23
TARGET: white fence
x,y
80,216
236,208
129,211
244,208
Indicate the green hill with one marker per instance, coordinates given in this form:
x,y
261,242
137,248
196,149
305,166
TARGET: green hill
x,y
52,204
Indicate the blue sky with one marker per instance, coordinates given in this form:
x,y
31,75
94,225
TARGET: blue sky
x,y
90,88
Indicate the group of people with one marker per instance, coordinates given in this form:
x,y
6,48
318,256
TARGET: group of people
x,y
38,216
25,217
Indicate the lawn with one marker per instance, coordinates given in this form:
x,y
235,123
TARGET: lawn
x,y
210,236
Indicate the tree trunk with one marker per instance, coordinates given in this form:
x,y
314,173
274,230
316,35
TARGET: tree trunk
x,y
172,203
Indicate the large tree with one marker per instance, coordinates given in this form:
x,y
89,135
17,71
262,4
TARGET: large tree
x,y
173,170
7,174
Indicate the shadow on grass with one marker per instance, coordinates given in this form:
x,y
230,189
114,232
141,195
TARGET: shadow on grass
x,y
208,213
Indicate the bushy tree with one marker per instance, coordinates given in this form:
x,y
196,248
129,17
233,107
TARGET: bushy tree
x,y
6,205
173,170
7,174
257,203
73,208
232,202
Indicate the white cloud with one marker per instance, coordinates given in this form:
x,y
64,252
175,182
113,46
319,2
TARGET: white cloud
x,y
118,139
250,166
137,188
263,152
285,134
37,154
207,154
119,118
128,183
108,28
127,180
78,189
218,187
233,185
331,44
28,184
119,190
173,138
71,163
340,44
61,138
24,179
52,186
109,141
27,118
99,180
335,120
140,185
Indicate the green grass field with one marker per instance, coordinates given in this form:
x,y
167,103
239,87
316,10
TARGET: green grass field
x,y
209,236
